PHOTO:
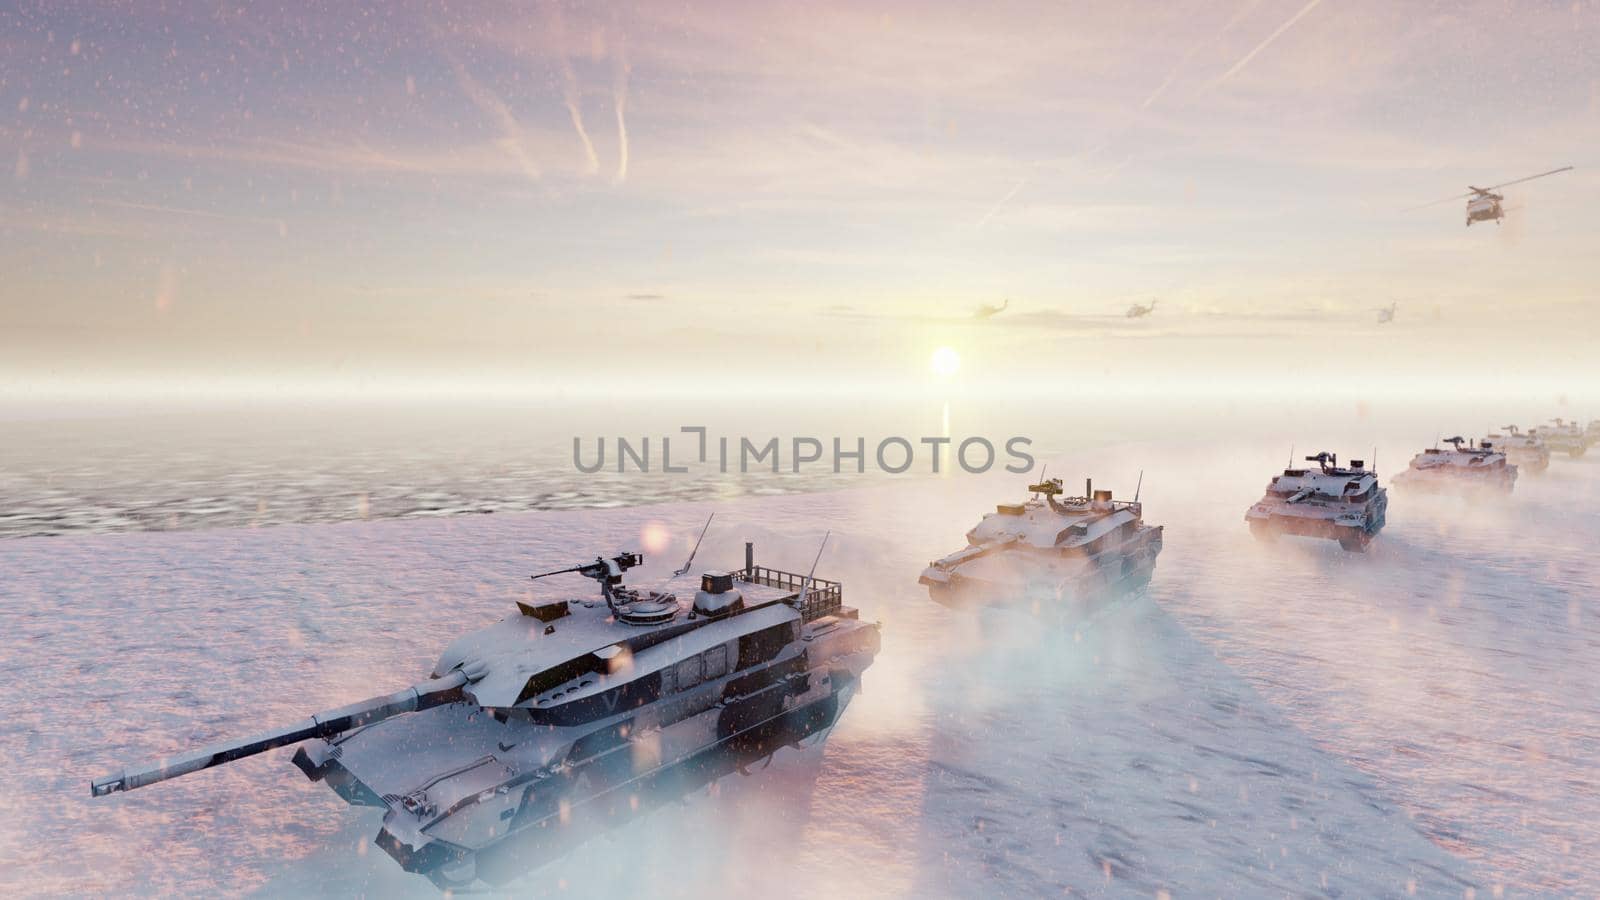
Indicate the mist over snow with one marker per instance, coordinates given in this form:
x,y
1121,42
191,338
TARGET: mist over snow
x,y
1269,719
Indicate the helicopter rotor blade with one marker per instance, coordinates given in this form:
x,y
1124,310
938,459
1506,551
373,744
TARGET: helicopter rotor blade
x,y
1530,178
1476,192
1455,199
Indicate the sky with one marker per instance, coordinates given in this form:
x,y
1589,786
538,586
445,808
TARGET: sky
x,y
541,196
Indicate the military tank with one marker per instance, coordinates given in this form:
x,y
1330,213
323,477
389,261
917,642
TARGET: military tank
x,y
1565,437
1061,558
572,708
1344,503
1525,450
1460,468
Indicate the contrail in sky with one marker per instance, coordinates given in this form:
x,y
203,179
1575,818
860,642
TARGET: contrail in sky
x,y
1003,201
570,93
619,94
1173,75
1239,66
510,132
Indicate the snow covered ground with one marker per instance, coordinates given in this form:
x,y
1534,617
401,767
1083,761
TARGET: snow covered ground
x,y
1269,720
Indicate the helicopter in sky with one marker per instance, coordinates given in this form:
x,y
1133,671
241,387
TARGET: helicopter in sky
x,y
1386,314
1137,311
1483,204
985,310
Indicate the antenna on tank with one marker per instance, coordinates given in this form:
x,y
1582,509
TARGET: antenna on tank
x,y
805,586
1290,464
1374,459
1137,486
1043,469
685,567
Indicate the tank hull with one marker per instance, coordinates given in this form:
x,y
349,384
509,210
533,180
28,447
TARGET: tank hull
x,y
1110,576
1530,461
1354,528
1350,537
515,820
550,836
1573,446
1492,481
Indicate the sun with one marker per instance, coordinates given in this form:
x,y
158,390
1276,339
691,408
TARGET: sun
x,y
945,362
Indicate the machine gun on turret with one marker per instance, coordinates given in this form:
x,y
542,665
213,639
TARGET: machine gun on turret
x,y
1049,487
1456,441
606,571
1327,461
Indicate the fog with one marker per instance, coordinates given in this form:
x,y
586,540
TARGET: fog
x,y
1270,717
169,463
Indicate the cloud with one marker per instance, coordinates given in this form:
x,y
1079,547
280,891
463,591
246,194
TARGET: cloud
x,y
799,157
351,157
1061,321
275,223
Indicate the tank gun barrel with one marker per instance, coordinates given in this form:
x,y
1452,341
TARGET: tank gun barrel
x,y
428,694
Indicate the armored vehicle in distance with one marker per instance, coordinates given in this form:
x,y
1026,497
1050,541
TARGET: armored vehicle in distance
x,y
1565,437
1461,468
1343,503
1060,559
1525,450
573,705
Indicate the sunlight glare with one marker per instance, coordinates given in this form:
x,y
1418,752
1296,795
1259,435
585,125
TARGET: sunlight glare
x,y
945,362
